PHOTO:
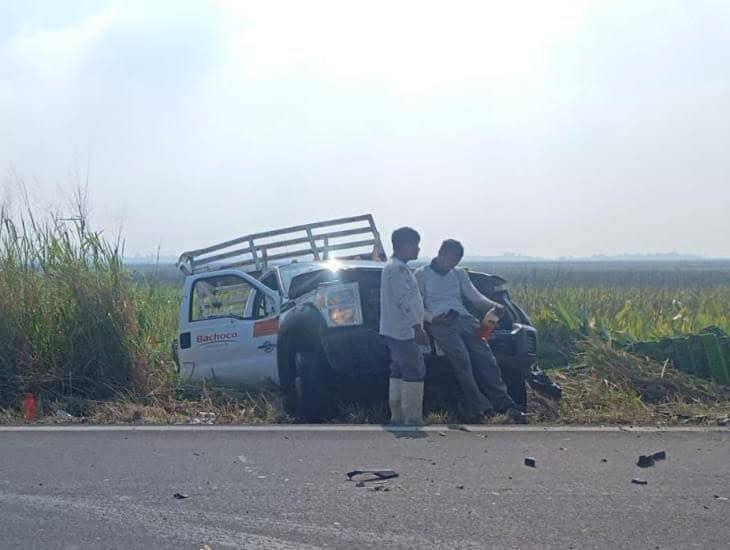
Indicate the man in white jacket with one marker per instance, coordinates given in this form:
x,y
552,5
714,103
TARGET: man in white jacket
x,y
401,325
444,288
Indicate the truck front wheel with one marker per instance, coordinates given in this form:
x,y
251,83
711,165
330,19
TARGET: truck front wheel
x,y
310,398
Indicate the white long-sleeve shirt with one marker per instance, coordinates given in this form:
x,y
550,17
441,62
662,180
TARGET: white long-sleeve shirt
x,y
401,305
442,293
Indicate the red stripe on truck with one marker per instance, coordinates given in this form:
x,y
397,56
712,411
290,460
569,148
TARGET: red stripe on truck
x,y
267,327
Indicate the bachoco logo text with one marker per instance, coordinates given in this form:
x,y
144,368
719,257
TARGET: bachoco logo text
x,y
216,338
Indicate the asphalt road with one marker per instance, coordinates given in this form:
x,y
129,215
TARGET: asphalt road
x,y
288,489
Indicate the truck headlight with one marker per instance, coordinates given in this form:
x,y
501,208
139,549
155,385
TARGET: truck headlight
x,y
342,316
340,304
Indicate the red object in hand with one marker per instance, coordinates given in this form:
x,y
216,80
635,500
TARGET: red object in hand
x,y
488,324
485,332
30,408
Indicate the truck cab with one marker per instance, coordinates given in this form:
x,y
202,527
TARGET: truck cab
x,y
229,312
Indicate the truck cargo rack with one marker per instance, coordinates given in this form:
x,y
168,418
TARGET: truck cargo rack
x,y
357,237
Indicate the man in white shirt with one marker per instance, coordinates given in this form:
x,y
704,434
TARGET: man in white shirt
x,y
401,325
444,288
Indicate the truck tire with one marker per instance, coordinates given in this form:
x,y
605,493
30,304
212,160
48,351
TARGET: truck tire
x,y
304,371
312,395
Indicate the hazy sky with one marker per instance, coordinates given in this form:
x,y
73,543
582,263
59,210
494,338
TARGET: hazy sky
x,y
544,128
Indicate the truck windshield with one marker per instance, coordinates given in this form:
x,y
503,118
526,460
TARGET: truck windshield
x,y
290,271
304,282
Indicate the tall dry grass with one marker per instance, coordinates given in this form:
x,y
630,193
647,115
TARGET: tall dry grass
x,y
72,324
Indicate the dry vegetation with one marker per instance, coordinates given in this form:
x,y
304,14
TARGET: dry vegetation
x,y
610,386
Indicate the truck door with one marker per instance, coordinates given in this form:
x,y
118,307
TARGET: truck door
x,y
222,336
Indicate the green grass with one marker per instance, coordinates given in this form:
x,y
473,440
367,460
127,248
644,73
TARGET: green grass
x,y
73,323
619,313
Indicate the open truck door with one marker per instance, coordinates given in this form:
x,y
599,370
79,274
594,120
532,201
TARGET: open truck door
x,y
228,328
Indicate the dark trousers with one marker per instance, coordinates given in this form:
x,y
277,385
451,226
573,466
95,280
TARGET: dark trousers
x,y
474,364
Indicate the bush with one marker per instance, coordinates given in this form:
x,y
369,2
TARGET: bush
x,y
70,321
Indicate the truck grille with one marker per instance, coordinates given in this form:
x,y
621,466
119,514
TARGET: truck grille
x,y
502,346
531,343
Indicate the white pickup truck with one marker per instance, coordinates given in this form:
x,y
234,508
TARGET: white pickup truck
x,y
229,313
280,305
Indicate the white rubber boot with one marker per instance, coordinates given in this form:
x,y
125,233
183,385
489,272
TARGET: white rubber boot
x,y
395,388
412,403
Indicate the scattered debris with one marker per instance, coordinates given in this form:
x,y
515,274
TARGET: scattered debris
x,y
638,481
63,414
531,462
645,461
203,418
180,496
379,474
378,477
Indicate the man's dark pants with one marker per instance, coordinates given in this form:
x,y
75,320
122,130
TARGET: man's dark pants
x,y
406,360
474,364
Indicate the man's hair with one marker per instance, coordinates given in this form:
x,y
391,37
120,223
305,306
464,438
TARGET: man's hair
x,y
453,246
404,235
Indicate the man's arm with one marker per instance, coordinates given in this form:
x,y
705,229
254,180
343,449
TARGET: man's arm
x,y
472,295
421,278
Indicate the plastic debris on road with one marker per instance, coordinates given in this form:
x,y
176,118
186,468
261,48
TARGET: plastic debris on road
x,y
379,474
645,461
648,460
378,477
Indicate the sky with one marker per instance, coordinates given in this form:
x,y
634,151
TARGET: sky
x,y
551,129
